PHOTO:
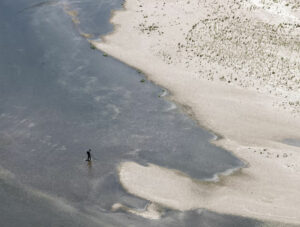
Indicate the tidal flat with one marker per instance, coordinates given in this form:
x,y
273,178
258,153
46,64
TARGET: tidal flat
x,y
59,97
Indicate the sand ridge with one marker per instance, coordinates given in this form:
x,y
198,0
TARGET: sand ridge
x,y
236,65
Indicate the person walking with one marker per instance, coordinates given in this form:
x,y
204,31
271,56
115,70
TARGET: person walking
x,y
89,157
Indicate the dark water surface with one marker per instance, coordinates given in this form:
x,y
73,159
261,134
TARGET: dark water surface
x,y
58,97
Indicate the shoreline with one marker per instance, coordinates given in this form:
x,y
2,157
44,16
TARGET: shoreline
x,y
251,128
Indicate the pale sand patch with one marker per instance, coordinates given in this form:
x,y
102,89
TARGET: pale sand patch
x,y
151,211
254,192
242,85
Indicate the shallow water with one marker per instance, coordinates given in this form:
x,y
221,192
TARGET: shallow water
x,y
293,142
58,97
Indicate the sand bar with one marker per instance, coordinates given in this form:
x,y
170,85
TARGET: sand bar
x,y
236,65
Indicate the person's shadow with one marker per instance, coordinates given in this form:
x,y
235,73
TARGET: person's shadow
x,y
90,169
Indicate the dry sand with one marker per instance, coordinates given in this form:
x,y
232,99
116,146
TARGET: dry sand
x,y
236,65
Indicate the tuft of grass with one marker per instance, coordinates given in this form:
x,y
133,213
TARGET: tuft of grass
x,y
142,80
105,54
92,46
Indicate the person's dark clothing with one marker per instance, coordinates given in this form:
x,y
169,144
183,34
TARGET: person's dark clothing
x,y
89,158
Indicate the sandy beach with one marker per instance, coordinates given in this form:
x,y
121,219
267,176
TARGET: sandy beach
x,y
235,67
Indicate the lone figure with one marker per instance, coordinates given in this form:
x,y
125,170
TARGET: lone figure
x,y
89,158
